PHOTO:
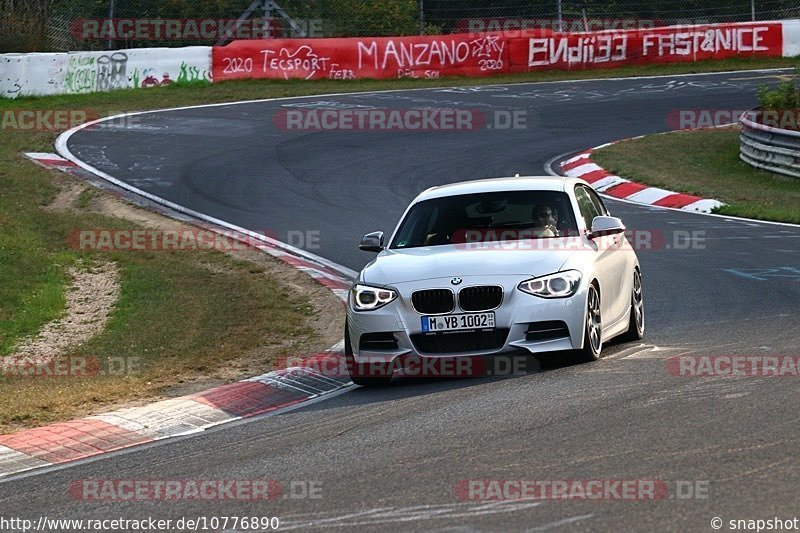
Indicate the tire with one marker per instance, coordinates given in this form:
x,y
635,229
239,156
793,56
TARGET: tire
x,y
636,323
370,380
592,328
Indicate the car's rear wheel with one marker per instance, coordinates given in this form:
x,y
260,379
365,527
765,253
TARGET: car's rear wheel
x,y
364,374
592,329
636,324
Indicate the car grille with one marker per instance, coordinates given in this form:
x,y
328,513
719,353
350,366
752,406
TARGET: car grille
x,y
377,341
480,298
433,301
545,331
473,341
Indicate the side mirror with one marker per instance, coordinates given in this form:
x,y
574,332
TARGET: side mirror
x,y
372,242
602,226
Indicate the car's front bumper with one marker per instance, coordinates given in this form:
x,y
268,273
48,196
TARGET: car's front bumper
x,y
517,311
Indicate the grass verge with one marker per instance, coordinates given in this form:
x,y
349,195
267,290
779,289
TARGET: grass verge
x,y
182,317
705,163
180,313
184,320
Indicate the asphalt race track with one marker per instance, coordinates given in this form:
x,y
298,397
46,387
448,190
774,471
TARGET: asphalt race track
x,y
392,458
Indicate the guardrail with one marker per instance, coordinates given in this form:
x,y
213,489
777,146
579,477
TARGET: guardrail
x,y
767,147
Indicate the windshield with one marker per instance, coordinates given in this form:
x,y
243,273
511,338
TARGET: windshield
x,y
508,215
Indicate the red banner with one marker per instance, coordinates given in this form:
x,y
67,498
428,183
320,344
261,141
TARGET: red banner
x,y
490,53
379,57
660,45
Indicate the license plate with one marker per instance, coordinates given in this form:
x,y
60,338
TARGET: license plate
x,y
457,322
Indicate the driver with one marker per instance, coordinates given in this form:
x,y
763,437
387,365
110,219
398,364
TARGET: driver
x,y
545,220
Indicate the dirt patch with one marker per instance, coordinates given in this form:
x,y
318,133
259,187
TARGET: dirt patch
x,y
328,310
90,300
68,194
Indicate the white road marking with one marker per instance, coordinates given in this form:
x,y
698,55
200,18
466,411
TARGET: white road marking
x,y
563,522
384,515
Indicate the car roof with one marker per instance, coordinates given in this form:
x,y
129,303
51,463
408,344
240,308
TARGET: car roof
x,y
519,183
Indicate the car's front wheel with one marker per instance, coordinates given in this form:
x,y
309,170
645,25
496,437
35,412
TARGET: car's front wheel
x,y
592,329
363,374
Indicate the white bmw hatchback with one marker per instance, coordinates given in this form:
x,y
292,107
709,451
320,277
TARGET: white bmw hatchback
x,y
488,267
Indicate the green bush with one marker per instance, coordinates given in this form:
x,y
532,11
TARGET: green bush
x,y
779,106
785,96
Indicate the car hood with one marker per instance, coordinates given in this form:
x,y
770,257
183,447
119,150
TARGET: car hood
x,y
413,264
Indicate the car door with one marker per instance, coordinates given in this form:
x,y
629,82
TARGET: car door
x,y
603,255
618,265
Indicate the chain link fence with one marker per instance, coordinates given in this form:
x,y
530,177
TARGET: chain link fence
x,y
64,25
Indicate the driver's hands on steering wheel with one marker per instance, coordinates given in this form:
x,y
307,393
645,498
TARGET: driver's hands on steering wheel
x,y
546,217
552,228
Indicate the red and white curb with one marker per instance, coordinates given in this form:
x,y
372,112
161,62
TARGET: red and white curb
x,y
94,435
52,161
123,428
581,166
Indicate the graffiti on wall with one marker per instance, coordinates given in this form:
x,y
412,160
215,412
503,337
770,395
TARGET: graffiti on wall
x,y
15,88
90,73
112,72
98,71
587,49
302,60
187,73
406,58
150,78
191,73
81,74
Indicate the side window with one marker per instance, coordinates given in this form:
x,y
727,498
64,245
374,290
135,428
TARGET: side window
x,y
597,201
586,205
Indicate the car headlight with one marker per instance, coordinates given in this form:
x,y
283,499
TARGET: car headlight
x,y
558,285
365,298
